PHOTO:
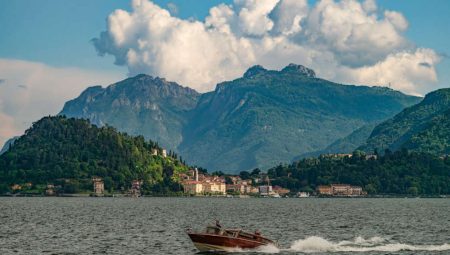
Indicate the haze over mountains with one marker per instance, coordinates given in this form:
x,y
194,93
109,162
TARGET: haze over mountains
x,y
259,120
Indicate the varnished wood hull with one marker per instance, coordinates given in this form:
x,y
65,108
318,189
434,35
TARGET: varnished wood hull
x,y
210,242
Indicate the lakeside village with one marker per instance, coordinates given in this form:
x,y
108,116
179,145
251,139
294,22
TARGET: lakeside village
x,y
199,183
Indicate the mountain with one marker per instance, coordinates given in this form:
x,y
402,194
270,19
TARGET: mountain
x,y
8,144
267,117
422,127
61,150
142,105
261,119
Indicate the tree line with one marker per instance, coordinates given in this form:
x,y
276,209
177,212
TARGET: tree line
x,y
400,172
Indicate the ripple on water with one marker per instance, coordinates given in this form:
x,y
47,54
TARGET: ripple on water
x,y
156,225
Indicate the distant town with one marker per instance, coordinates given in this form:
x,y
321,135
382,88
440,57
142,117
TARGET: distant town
x,y
199,183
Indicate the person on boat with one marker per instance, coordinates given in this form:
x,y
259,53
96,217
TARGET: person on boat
x,y
218,224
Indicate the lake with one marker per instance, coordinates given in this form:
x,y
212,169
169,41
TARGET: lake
x,y
57,225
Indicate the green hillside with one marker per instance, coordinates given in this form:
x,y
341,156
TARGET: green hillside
x,y
422,127
434,137
59,150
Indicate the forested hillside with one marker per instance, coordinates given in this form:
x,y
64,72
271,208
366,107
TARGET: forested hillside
x,y
423,127
401,172
60,150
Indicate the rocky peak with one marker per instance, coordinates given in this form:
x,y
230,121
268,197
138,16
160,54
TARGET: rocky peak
x,y
294,68
155,85
254,70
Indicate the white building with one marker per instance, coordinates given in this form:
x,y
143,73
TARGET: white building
x,y
193,187
265,190
218,188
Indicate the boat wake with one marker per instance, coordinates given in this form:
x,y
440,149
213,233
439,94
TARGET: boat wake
x,y
359,244
315,244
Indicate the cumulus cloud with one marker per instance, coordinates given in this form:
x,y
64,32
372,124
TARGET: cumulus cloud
x,y
31,90
347,40
401,68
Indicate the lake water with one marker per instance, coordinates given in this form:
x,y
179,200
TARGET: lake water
x,y
156,225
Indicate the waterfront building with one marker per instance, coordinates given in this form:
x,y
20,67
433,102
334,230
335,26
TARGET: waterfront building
x,y
265,190
242,188
192,187
324,190
99,186
280,191
357,191
135,190
50,190
340,190
254,190
302,194
202,184
214,188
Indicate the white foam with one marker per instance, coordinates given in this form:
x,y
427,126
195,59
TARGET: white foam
x,y
363,242
315,244
268,249
271,249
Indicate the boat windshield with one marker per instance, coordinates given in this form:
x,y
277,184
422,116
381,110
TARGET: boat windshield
x,y
212,230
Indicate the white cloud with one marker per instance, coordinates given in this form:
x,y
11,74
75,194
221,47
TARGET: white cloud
x,y
253,16
287,16
405,71
345,40
31,90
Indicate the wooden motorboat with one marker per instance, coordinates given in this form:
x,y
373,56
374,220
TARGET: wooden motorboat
x,y
216,238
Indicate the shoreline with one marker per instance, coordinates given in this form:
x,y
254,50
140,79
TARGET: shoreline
x,y
228,197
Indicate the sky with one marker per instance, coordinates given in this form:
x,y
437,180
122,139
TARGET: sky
x,y
51,50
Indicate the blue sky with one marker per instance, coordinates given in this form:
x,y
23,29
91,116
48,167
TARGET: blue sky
x,y
47,57
57,32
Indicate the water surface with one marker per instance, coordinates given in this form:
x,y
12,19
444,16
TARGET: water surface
x,y
156,225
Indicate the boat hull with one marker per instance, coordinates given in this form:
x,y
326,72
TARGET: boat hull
x,y
209,242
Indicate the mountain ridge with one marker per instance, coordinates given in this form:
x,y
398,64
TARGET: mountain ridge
x,y
258,120
141,101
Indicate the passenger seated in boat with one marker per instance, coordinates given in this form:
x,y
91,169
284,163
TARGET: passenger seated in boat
x,y
218,224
